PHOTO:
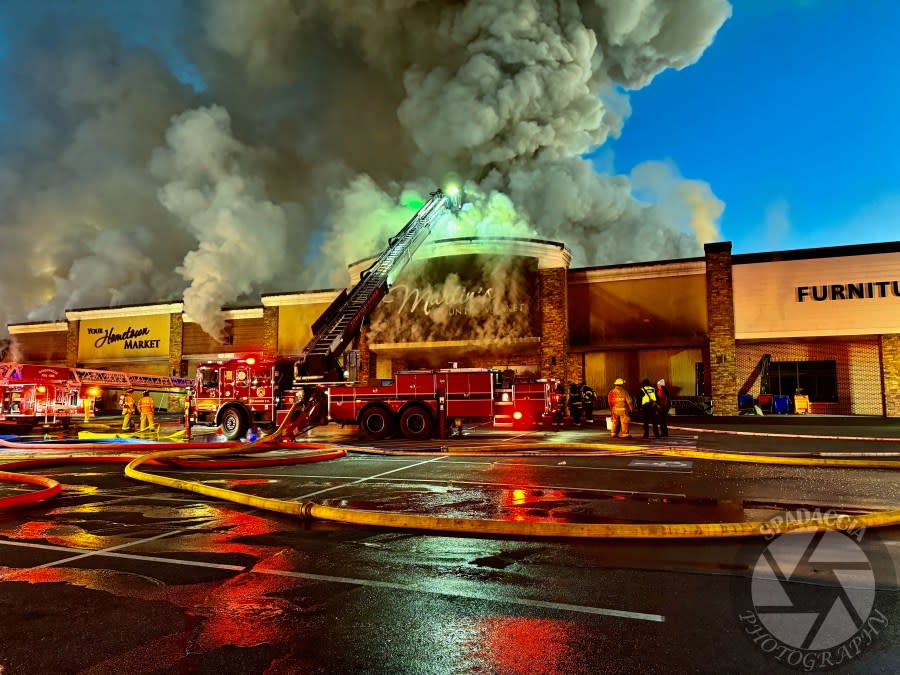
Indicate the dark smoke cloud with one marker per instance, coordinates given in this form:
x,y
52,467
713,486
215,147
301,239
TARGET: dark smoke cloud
x,y
315,124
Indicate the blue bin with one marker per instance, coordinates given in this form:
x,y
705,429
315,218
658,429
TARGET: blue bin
x,y
745,401
781,405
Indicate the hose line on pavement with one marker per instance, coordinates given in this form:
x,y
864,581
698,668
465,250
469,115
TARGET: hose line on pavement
x,y
829,520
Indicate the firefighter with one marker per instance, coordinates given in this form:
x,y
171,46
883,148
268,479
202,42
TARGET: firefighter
x,y
575,403
620,405
127,410
560,413
588,398
146,406
664,402
649,408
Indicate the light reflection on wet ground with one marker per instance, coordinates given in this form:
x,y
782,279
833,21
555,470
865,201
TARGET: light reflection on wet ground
x,y
205,586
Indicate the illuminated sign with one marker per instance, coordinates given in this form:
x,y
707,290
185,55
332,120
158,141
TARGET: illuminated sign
x,y
142,336
464,297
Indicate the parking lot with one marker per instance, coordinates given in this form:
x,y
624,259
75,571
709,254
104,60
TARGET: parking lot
x,y
117,575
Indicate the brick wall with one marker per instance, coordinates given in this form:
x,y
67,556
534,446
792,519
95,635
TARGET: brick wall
x,y
176,330
720,320
890,360
270,331
554,323
366,357
72,343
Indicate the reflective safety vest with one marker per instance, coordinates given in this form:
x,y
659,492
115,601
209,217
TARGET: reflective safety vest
x,y
648,395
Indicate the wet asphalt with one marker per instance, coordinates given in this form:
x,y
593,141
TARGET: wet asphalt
x,y
119,576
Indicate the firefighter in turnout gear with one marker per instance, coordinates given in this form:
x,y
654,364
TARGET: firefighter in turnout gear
x,y
146,407
127,410
649,408
588,398
575,403
620,406
560,413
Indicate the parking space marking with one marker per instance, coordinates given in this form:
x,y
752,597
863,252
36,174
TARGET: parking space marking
x,y
363,480
371,583
454,481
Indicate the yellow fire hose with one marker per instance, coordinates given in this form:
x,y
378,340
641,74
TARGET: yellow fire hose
x,y
308,509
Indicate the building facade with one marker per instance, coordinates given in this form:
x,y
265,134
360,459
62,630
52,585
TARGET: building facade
x,y
718,328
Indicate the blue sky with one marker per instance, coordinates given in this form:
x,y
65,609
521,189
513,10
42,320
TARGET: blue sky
x,y
793,117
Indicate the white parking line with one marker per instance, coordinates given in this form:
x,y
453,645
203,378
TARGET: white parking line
x,y
454,481
363,480
371,583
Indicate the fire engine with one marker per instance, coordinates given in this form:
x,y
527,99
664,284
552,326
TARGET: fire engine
x,y
238,393
33,394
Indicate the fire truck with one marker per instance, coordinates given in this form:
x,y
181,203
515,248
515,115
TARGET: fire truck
x,y
34,394
239,393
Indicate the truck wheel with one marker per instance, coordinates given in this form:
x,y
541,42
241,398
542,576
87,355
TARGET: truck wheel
x,y
376,423
234,423
416,423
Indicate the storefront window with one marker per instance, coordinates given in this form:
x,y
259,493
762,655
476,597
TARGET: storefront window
x,y
817,379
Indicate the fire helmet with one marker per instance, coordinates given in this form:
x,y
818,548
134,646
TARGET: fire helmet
x,y
619,380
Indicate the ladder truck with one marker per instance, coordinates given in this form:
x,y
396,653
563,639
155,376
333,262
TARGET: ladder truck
x,y
309,390
33,394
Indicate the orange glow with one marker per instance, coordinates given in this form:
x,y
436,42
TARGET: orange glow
x,y
251,361
517,415
41,389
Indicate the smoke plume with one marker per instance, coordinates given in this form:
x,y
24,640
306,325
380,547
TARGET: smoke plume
x,y
262,146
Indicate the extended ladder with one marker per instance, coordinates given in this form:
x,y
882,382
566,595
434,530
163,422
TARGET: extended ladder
x,y
340,323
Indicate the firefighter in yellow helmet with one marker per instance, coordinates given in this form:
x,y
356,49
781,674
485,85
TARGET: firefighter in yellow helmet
x,y
620,406
146,407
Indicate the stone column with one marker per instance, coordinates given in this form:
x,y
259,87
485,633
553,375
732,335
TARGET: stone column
x,y
176,343
890,366
270,332
366,357
554,296
720,325
72,343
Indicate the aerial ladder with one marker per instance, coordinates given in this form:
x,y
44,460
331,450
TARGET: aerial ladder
x,y
342,321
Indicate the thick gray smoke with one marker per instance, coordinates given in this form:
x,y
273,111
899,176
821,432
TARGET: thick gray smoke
x,y
314,124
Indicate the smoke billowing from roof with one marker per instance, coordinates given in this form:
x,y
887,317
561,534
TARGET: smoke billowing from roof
x,y
315,123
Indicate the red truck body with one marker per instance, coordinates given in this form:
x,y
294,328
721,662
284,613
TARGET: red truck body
x,y
30,394
416,404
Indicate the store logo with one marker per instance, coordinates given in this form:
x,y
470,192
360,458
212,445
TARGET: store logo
x,y
813,601
130,336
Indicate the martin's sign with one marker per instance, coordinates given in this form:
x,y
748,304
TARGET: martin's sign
x,y
142,336
855,291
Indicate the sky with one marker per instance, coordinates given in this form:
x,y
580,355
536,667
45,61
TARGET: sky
x,y
792,116
208,152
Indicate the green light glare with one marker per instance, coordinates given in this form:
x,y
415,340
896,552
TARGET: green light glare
x,y
452,190
410,201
